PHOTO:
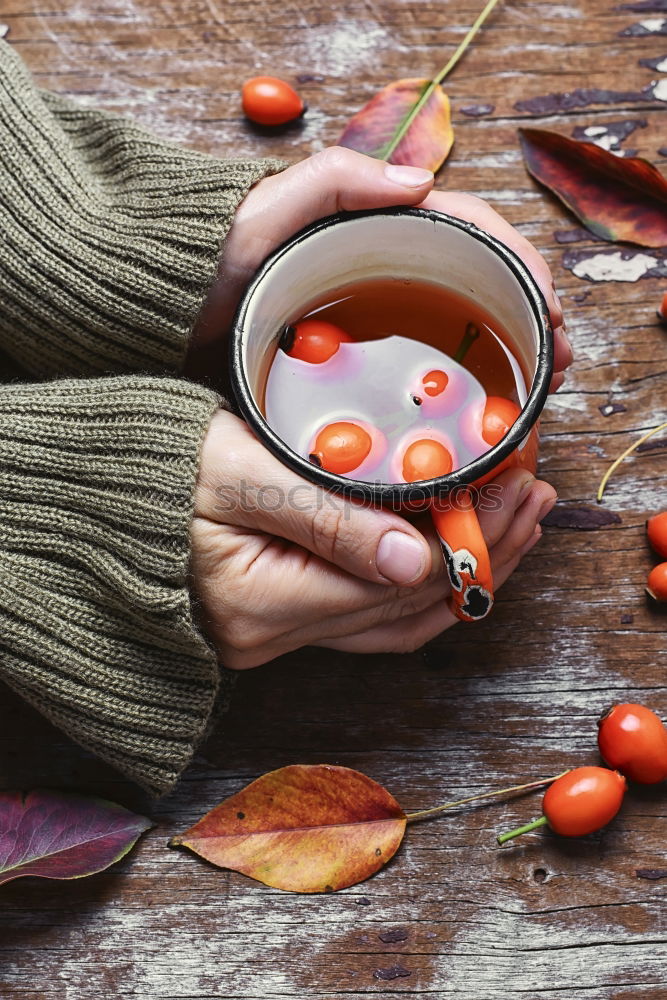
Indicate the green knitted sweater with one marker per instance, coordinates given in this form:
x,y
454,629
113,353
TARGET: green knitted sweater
x,y
109,240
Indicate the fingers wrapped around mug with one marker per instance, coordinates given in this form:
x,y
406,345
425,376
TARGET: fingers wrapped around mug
x,y
510,523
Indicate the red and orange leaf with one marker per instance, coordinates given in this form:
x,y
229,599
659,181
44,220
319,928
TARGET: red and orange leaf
x,y
428,138
617,198
304,828
62,835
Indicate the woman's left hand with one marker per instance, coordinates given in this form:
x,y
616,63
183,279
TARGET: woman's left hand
x,y
334,180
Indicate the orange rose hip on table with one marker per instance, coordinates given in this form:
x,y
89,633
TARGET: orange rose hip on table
x,y
414,343
633,739
268,100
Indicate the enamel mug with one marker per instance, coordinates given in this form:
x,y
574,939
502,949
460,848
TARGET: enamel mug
x,y
419,245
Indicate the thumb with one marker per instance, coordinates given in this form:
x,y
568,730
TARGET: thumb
x,y
342,180
335,180
241,483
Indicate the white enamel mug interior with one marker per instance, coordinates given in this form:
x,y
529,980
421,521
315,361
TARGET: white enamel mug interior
x,y
398,243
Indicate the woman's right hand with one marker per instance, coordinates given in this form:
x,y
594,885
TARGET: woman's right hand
x,y
336,180
280,563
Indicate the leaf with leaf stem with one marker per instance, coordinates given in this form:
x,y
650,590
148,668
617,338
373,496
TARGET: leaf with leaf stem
x,y
409,121
425,143
310,827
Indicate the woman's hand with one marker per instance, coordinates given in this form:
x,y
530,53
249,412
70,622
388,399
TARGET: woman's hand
x,y
339,179
279,563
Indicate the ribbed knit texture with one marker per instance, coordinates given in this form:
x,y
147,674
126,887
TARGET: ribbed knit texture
x,y
95,622
110,236
109,240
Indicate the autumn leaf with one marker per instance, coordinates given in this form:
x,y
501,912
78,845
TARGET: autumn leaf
x,y
311,827
617,198
409,121
63,835
305,828
377,128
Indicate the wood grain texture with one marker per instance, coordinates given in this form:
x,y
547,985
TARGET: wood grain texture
x,y
509,700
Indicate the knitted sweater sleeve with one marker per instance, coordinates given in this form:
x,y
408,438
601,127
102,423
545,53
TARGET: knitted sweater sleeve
x,y
96,630
109,239
110,236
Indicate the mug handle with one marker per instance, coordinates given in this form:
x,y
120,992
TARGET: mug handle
x,y
466,557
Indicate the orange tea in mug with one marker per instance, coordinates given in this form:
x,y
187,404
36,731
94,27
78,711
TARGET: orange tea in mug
x,y
419,372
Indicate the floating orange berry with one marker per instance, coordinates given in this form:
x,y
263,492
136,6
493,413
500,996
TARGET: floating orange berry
x,y
435,382
267,100
341,447
656,529
426,459
499,415
313,340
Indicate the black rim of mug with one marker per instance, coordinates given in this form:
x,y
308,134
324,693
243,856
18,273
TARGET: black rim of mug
x,y
398,494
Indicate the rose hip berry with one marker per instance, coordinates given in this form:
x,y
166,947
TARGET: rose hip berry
x,y
656,529
662,309
426,459
435,382
633,740
313,340
267,100
499,415
582,801
656,585
341,447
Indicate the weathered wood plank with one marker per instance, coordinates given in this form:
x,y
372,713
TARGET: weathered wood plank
x,y
512,699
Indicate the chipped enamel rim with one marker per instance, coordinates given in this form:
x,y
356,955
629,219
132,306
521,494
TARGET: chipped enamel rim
x,y
398,493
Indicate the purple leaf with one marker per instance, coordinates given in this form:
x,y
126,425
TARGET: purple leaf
x,y
63,835
618,199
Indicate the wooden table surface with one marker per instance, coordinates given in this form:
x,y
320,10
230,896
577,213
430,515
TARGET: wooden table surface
x,y
513,699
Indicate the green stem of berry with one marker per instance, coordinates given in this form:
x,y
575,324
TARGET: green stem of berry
x,y
504,837
467,340
385,154
424,813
